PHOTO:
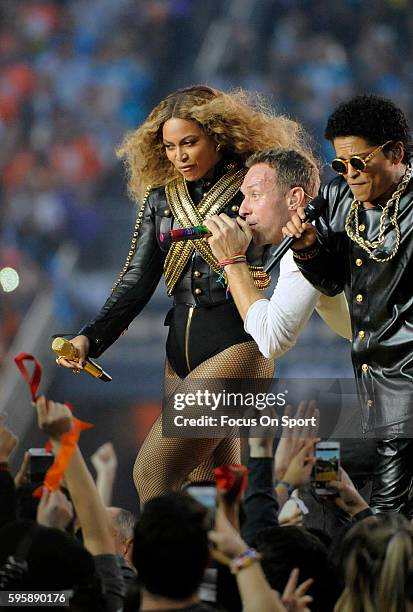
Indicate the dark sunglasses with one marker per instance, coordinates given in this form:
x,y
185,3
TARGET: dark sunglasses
x,y
356,161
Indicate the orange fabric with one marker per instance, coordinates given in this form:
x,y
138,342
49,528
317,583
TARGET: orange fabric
x,y
68,441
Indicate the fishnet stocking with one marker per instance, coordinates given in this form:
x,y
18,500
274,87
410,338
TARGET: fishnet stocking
x,y
163,464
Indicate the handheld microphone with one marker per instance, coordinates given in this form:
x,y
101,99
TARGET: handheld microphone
x,y
67,350
313,210
185,233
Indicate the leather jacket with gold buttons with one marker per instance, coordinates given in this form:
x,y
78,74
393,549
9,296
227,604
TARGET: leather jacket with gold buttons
x,y
148,259
380,299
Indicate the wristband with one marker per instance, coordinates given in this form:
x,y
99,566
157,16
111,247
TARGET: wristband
x,y
232,260
244,560
363,514
290,488
222,278
307,253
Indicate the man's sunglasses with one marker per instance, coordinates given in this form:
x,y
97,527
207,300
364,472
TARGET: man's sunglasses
x,y
356,161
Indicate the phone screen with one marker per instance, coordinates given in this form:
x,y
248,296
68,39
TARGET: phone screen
x,y
326,466
207,496
40,461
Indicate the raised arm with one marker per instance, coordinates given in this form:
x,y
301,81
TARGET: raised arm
x,y
55,419
318,249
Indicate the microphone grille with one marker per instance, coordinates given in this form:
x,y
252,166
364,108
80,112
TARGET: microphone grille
x,y
63,348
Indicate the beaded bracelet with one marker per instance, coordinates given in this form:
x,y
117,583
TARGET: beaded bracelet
x,y
244,560
290,488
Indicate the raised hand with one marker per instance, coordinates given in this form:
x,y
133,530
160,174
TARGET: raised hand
x,y
8,442
82,345
54,510
53,418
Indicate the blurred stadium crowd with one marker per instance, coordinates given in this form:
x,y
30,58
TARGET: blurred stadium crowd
x,y
76,74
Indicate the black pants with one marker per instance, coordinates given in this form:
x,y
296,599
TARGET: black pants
x,y
393,476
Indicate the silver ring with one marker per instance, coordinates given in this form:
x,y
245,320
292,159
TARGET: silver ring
x,y
74,371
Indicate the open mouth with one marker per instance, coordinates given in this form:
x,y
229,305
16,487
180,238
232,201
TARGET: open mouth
x,y
186,168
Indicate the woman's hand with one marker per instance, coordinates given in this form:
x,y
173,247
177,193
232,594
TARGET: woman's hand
x,y
82,345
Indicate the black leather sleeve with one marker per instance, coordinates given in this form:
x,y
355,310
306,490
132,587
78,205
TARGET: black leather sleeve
x,y
135,288
326,269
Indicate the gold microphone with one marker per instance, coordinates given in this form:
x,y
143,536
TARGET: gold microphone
x,y
64,348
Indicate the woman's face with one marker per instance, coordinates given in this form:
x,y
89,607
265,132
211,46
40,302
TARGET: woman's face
x,y
189,149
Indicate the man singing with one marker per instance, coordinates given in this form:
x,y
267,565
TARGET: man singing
x,y
277,183
363,245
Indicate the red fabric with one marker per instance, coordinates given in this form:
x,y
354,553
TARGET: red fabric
x,y
68,441
34,382
231,478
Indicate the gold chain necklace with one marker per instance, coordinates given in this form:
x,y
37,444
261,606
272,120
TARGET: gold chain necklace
x,y
352,220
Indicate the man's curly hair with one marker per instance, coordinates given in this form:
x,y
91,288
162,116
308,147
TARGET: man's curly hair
x,y
373,118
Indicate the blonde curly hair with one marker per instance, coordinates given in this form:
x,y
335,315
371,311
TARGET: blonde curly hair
x,y
242,123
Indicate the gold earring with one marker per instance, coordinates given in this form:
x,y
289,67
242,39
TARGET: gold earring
x,y
218,147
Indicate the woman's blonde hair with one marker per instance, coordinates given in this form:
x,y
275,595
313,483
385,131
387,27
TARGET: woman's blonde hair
x,y
379,566
240,122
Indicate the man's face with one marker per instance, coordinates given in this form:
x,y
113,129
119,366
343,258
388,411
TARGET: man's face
x,y
380,175
264,207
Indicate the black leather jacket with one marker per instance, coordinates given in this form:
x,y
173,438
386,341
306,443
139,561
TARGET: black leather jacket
x,y
197,285
380,299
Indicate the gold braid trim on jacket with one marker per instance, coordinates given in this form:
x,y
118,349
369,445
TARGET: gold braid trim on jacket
x,y
188,214
134,240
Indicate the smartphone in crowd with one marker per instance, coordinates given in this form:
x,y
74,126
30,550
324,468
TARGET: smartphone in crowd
x,y
39,463
205,494
326,467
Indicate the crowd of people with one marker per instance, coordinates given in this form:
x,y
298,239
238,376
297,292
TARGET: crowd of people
x,y
252,553
308,59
